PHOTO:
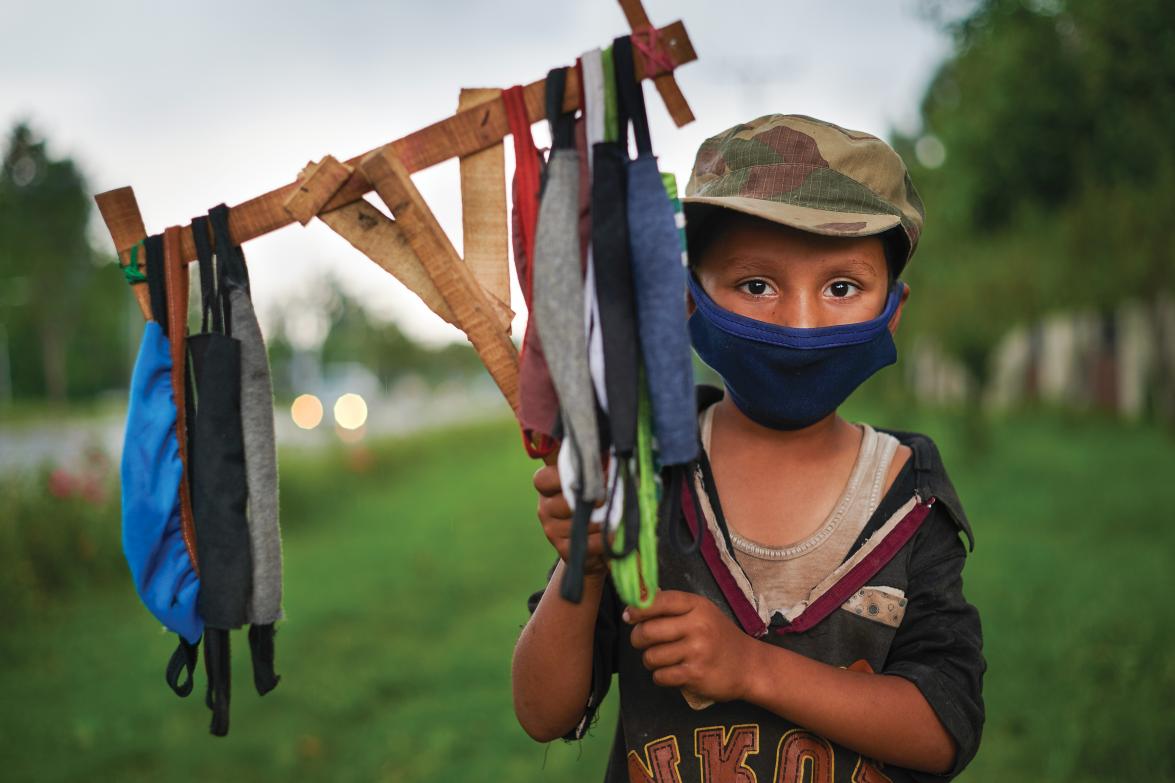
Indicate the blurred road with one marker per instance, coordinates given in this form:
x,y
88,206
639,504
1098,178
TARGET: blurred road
x,y
67,442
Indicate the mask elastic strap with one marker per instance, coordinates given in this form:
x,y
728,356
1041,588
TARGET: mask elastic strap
x,y
572,587
209,303
526,175
632,96
182,660
630,515
156,284
261,650
229,256
217,662
562,123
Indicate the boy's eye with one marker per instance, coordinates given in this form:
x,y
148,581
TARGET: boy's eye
x,y
756,287
842,288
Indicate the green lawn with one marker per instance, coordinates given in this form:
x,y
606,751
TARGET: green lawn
x,y
407,572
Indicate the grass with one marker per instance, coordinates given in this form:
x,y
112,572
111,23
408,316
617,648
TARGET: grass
x,y
408,565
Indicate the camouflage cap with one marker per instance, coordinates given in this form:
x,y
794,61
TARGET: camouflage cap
x,y
808,174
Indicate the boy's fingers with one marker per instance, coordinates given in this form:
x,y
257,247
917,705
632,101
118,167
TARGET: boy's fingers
x,y
546,480
659,630
661,655
561,528
666,602
555,507
675,676
595,547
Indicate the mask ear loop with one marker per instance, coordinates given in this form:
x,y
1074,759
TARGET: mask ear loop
x,y
688,490
209,301
670,509
630,517
217,659
572,587
182,660
156,286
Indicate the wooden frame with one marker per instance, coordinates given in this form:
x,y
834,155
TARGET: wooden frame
x,y
411,246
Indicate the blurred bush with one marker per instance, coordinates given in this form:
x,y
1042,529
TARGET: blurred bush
x,y
59,533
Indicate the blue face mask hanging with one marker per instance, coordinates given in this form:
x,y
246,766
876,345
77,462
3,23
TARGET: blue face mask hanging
x,y
788,378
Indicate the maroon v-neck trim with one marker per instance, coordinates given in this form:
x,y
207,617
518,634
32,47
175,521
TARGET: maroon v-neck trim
x,y
746,614
831,599
857,576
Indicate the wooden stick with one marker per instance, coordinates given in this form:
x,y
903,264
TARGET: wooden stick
x,y
461,291
319,182
484,220
378,237
666,84
464,133
372,233
120,212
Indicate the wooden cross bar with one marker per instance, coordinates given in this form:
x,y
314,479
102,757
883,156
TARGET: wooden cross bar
x,y
462,134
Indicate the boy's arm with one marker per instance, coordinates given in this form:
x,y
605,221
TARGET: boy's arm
x,y
563,660
552,667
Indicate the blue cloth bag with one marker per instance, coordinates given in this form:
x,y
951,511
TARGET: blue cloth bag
x,y
151,472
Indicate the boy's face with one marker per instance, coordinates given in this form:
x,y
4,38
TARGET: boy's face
x,y
789,277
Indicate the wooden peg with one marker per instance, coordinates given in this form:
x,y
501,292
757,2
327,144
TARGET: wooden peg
x,y
484,219
459,288
120,212
317,184
675,47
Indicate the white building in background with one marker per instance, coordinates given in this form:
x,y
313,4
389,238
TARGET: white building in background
x,y
1121,361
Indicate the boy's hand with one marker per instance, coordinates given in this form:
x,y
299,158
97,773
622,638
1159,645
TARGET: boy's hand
x,y
689,643
555,514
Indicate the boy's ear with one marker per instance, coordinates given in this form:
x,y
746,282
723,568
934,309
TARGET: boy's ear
x,y
897,316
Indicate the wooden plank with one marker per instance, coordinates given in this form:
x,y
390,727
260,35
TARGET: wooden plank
x,y
460,290
461,134
120,212
484,219
378,237
319,182
665,83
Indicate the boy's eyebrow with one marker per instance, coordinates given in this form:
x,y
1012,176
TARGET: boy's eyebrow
x,y
753,263
853,266
750,263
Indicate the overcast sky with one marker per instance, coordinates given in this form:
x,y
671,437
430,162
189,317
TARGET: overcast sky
x,y
197,103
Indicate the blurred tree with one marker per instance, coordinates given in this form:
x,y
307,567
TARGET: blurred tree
x,y
63,316
1046,163
355,335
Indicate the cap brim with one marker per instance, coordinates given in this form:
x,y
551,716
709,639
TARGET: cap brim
x,y
817,221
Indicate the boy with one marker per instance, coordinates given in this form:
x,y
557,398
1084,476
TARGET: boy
x,y
823,621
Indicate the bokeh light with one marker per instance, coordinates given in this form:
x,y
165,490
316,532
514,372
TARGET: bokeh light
x,y
350,411
306,411
930,151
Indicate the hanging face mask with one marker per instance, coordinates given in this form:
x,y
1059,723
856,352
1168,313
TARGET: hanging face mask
x,y
788,378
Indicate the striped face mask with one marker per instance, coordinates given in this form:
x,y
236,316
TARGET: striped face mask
x,y
787,378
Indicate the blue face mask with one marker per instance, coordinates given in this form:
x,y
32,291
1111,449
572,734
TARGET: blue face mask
x,y
788,378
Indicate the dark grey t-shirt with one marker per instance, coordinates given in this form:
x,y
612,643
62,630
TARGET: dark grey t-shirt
x,y
937,646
